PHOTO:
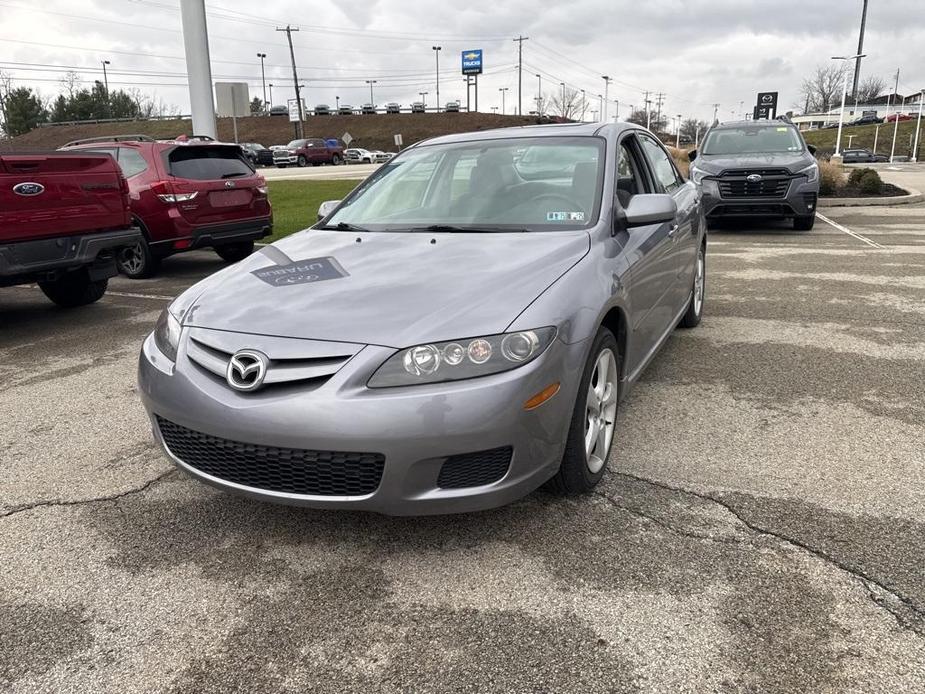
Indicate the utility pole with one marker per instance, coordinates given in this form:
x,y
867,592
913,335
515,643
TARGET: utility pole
x,y
584,105
601,109
371,83
263,81
607,81
198,69
562,109
520,69
437,50
648,104
857,65
539,94
271,95
658,113
678,143
503,91
715,112
295,80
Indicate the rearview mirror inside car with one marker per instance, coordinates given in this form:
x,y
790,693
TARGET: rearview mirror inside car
x,y
326,208
692,155
650,209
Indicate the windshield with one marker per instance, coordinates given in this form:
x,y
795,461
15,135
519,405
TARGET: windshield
x,y
753,139
516,184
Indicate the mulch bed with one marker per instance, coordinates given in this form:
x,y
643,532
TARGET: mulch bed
x,y
849,191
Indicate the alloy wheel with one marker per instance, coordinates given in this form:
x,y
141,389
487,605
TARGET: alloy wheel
x,y
601,410
132,259
699,283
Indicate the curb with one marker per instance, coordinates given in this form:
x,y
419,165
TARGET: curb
x,y
913,197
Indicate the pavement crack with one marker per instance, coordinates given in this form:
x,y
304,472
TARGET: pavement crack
x,y
80,502
904,610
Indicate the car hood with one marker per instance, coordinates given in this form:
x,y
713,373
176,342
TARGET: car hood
x,y
717,163
391,289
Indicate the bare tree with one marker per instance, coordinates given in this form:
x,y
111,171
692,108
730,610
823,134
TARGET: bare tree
x,y
823,89
568,103
655,121
71,83
872,87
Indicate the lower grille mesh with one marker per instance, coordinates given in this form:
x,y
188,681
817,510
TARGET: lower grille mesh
x,y
287,470
475,469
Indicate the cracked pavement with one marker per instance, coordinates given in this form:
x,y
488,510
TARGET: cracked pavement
x,y
761,528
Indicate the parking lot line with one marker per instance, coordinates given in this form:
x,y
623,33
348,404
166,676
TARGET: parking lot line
x,y
132,295
848,231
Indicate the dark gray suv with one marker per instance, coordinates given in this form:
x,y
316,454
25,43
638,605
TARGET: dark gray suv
x,y
757,169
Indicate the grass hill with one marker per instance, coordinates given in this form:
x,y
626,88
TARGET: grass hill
x,y
864,137
371,132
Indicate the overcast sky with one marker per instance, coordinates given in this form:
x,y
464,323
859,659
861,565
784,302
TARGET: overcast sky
x,y
697,52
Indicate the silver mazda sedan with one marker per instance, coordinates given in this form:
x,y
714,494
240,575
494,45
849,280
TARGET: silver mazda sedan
x,y
457,332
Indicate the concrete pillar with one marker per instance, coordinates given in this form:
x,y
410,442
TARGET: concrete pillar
x,y
198,68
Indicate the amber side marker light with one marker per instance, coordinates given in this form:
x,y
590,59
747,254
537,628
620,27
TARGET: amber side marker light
x,y
541,397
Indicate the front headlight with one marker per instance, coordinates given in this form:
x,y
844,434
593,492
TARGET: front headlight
x,y
697,175
167,334
811,172
460,359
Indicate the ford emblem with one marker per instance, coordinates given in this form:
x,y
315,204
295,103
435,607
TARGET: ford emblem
x,y
754,178
28,189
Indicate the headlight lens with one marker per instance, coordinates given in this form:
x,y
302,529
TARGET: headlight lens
x,y
697,175
811,172
460,359
167,334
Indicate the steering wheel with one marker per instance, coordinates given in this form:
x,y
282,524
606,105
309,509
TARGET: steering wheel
x,y
536,204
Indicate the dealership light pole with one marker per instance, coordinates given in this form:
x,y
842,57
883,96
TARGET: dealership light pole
x,y
106,87
423,96
584,105
918,126
371,83
437,50
896,130
607,81
271,94
616,110
539,94
198,69
562,105
503,91
263,79
844,95
678,142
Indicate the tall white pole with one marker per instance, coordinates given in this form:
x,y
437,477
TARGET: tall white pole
x,y
841,113
198,68
896,130
876,137
918,125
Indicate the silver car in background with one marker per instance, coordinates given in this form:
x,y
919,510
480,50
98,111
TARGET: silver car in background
x,y
457,332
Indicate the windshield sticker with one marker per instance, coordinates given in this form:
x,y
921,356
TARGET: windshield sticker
x,y
301,272
565,216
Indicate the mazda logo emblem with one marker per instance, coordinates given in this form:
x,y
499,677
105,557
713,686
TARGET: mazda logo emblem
x,y
28,189
754,178
246,370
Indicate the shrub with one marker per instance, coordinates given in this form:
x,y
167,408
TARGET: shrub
x,y
870,183
831,178
854,178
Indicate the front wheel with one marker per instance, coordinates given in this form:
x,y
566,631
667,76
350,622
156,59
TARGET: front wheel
x,y
691,318
336,160
74,289
138,261
302,161
233,252
594,419
804,223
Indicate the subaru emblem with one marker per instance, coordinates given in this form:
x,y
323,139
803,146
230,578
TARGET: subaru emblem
x,y
229,184
754,178
28,189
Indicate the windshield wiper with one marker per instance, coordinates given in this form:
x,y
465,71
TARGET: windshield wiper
x,y
234,175
450,228
343,226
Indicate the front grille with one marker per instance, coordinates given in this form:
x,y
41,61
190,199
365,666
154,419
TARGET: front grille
x,y
287,470
475,469
766,188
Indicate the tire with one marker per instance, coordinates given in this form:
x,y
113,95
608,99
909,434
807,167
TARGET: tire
x,y
694,313
137,262
302,161
804,223
579,473
336,160
233,252
74,289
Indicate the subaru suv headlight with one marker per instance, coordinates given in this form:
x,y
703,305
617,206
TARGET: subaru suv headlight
x,y
811,172
167,334
697,175
460,359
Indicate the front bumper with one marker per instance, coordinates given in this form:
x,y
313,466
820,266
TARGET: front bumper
x,y
415,428
800,201
288,160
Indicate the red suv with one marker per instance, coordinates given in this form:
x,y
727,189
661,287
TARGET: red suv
x,y
186,194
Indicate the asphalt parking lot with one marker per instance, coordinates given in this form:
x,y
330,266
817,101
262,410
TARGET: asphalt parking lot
x,y
762,527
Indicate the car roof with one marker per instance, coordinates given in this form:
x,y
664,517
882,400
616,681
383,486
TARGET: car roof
x,y
752,124
544,130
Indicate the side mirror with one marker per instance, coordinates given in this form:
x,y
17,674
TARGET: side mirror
x,y
692,155
326,208
812,149
650,209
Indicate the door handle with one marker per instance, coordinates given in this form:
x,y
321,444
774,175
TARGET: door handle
x,y
672,230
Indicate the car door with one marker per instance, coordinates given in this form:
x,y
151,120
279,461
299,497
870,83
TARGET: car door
x,y
647,249
685,235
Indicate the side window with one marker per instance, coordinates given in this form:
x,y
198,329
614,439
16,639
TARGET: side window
x,y
132,162
630,178
662,167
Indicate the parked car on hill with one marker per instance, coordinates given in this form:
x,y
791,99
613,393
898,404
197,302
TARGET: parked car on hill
x,y
392,107
63,220
866,119
279,111
417,107
185,195
345,110
476,345
322,110
368,109
862,156
893,117
452,107
308,152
